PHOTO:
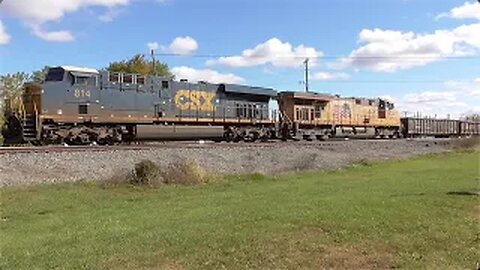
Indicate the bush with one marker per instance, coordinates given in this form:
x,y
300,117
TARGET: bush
x,y
184,173
147,173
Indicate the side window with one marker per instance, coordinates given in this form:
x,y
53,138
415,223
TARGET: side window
x,y
82,81
85,80
140,79
164,84
381,110
239,109
128,78
318,111
114,77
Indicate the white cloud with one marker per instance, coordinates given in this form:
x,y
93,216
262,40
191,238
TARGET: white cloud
x,y
433,103
153,46
183,46
390,51
389,98
179,46
110,14
430,97
328,76
469,10
274,52
455,99
469,89
208,75
35,13
54,36
4,36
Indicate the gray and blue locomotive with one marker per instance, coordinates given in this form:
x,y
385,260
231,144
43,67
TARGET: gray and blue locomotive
x,y
82,106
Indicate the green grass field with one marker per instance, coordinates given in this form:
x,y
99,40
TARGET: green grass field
x,y
407,214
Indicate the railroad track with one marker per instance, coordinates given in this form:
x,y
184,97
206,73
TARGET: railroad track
x,y
138,147
181,145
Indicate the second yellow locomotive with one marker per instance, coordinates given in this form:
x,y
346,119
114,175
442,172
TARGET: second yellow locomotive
x,y
307,115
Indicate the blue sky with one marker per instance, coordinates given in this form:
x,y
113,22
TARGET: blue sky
x,y
424,54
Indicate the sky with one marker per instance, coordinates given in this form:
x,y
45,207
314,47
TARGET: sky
x,y
422,54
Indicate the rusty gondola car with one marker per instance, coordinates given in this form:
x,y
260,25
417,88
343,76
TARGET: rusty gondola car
x,y
469,128
439,128
416,127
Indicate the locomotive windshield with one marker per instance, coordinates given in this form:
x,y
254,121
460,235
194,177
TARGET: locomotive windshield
x,y
55,75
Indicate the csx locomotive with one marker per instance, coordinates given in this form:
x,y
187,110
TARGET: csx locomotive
x,y
82,106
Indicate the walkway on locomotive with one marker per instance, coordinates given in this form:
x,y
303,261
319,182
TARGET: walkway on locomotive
x,y
315,109
85,95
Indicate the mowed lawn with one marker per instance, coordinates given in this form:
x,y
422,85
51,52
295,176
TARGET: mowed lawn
x,y
417,213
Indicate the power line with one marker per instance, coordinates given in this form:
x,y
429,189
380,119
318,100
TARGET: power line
x,y
380,81
303,57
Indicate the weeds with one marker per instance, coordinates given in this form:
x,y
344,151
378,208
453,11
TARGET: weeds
x,y
466,144
147,173
363,162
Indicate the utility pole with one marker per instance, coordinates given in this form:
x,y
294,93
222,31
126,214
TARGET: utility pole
x,y
152,53
306,74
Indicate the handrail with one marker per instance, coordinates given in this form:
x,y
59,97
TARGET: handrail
x,y
37,118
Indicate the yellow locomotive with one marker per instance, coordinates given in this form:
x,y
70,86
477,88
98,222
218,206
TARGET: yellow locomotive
x,y
307,115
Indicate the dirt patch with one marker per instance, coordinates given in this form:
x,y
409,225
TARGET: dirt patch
x,y
309,248
352,257
146,261
475,213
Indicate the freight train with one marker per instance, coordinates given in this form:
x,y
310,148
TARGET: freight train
x,y
83,106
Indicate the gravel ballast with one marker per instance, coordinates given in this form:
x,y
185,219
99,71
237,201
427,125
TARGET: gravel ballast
x,y
31,168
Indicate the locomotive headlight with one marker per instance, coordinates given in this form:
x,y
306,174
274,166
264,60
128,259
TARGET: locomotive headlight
x,y
59,111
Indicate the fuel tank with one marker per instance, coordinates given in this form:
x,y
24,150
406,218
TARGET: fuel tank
x,y
176,132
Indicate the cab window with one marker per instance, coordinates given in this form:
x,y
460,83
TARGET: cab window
x,y
81,81
55,75
85,81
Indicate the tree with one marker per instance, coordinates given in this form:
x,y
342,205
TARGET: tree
x,y
139,65
38,76
11,90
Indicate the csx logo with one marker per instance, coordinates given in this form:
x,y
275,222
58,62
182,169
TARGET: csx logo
x,y
195,100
